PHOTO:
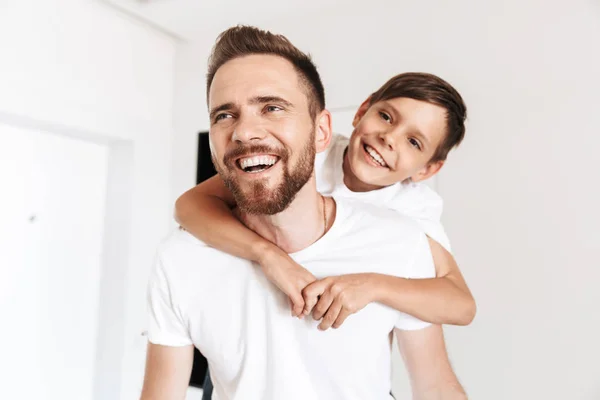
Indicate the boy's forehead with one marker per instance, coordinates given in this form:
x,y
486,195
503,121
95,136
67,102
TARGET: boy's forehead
x,y
255,75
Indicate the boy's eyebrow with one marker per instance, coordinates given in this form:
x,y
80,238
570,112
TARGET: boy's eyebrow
x,y
423,138
415,131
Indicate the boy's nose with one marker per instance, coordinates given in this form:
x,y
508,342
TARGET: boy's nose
x,y
387,140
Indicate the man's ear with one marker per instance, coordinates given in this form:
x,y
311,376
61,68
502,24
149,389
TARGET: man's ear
x,y
362,110
428,171
323,132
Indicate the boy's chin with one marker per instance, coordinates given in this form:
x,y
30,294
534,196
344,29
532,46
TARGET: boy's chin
x,y
368,177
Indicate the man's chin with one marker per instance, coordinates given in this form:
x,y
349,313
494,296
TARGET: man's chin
x,y
261,207
259,200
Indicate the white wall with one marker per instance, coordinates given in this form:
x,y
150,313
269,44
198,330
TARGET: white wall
x,y
82,69
51,263
521,191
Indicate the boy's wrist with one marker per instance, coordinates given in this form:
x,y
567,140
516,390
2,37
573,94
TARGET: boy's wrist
x,y
381,286
376,287
263,251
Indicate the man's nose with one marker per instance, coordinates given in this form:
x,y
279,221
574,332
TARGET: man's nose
x,y
248,129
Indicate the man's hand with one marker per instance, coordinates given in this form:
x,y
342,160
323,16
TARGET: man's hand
x,y
289,276
336,297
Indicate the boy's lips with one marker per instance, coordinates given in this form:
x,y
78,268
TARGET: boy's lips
x,y
373,157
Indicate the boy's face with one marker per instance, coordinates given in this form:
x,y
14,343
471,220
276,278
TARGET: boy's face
x,y
393,140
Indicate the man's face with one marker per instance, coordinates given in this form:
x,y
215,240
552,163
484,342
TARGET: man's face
x,y
262,135
394,140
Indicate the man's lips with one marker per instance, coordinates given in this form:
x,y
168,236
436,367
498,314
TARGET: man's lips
x,y
256,163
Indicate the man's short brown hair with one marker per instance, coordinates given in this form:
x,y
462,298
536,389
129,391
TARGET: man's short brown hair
x,y
241,41
434,90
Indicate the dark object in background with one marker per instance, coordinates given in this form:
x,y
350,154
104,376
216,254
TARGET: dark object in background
x,y
204,167
204,170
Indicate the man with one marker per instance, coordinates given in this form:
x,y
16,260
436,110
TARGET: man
x,y
268,119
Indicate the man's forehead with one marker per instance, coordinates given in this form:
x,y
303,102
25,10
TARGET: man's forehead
x,y
255,75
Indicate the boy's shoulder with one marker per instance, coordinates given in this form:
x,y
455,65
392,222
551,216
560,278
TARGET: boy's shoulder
x,y
418,200
328,165
371,217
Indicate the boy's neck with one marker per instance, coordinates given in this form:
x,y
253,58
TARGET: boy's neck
x,y
301,224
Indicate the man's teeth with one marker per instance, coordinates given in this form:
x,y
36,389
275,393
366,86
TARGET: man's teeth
x,y
257,160
375,155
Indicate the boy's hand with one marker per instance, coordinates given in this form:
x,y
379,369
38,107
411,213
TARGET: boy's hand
x,y
336,297
289,276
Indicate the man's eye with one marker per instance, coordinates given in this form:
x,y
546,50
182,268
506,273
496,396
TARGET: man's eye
x,y
221,117
385,116
273,108
415,143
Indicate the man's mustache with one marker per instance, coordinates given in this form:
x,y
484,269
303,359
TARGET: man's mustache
x,y
251,149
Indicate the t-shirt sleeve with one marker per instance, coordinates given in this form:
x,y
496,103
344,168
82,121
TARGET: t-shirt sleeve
x,y
425,207
166,325
422,267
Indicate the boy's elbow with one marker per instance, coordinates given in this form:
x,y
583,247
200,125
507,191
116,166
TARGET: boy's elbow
x,y
183,208
469,309
177,212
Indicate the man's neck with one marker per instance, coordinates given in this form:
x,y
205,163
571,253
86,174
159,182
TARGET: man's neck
x,y
299,225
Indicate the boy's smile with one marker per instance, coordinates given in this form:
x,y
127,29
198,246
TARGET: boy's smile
x,y
373,157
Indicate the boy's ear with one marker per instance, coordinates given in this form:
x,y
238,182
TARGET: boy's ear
x,y
428,171
362,110
323,132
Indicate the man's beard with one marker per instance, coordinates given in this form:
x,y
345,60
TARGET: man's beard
x,y
259,199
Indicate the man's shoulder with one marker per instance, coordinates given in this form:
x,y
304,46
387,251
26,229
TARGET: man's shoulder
x,y
180,239
180,248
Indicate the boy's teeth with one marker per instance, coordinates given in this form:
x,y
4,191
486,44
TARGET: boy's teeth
x,y
373,153
257,160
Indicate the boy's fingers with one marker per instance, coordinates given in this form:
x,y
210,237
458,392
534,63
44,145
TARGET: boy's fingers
x,y
341,318
311,294
331,315
322,305
297,304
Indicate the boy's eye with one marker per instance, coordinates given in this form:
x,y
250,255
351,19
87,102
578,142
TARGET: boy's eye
x,y
415,143
385,116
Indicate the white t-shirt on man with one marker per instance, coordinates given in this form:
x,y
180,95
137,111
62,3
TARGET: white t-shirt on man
x,y
241,322
415,200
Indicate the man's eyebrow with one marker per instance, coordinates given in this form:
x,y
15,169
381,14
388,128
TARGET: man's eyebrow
x,y
271,99
222,107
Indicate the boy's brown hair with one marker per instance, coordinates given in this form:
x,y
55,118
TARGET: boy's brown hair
x,y
434,90
241,41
